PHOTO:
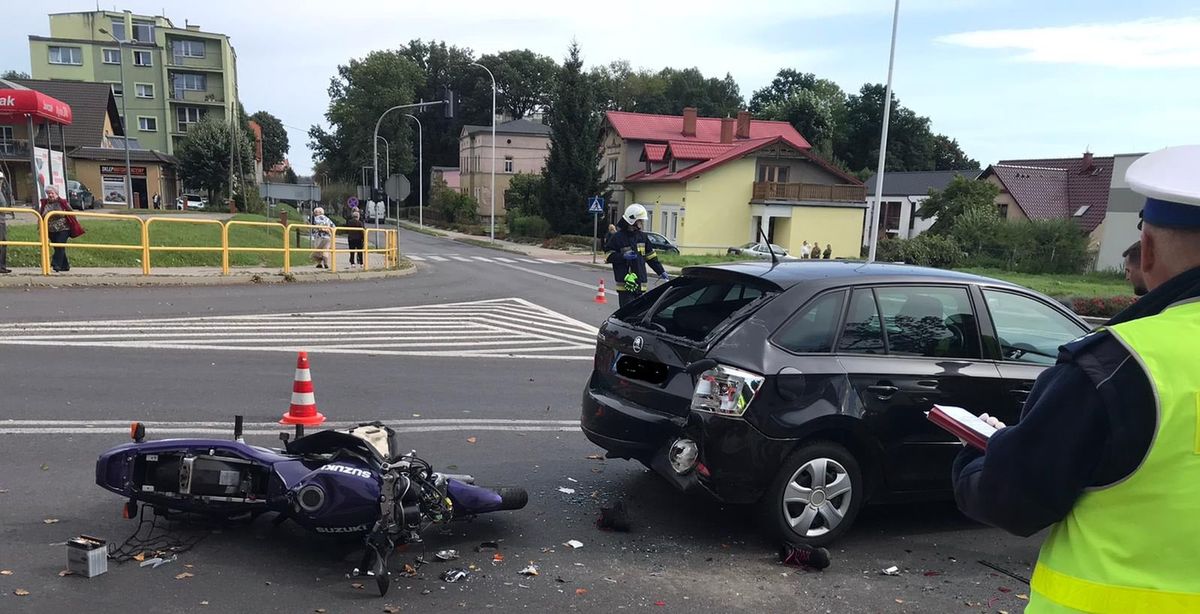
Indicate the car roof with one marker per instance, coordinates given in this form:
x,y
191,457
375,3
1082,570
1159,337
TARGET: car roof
x,y
838,272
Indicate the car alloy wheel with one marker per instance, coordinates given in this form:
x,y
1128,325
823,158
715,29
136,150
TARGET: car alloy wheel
x,y
817,497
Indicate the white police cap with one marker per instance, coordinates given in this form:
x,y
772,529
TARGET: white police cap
x,y
1170,180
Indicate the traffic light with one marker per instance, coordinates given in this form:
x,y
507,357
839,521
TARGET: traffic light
x,y
448,98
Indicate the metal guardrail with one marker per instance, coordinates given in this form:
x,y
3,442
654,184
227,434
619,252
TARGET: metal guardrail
x,y
390,248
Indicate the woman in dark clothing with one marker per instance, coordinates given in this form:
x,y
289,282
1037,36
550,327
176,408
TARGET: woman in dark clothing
x,y
58,229
354,239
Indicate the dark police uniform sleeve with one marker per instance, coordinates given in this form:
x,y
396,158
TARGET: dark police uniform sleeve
x,y
1088,422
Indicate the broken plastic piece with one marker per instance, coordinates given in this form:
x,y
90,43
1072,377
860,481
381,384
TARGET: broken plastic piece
x,y
573,543
455,574
614,518
446,555
891,571
566,491
531,570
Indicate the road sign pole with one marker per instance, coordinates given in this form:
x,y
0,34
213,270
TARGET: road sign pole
x,y
595,234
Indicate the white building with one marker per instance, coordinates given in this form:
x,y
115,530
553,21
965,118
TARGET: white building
x,y
903,193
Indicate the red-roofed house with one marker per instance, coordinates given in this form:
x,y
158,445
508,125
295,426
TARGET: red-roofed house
x,y
712,183
1075,189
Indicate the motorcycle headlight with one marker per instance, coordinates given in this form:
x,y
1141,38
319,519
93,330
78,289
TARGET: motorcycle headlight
x,y
726,391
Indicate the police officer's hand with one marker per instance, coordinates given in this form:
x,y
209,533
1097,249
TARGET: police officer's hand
x,y
663,276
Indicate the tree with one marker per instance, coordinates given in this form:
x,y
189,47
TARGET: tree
x,y
948,156
912,145
572,171
274,138
960,196
620,88
524,80
14,74
289,175
815,107
204,159
524,195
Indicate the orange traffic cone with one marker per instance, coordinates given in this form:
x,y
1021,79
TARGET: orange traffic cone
x,y
600,297
303,409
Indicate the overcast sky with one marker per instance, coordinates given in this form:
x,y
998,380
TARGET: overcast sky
x,y
1007,78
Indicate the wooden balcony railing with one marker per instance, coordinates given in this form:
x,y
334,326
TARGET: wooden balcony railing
x,y
769,190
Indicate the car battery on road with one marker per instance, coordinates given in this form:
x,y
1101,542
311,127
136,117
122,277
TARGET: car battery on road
x,y
87,556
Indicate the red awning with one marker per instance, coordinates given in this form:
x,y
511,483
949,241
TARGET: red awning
x,y
17,101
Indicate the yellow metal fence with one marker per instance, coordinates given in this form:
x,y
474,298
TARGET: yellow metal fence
x,y
375,240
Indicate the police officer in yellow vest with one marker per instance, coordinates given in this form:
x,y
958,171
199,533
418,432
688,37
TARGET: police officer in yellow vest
x,y
1107,450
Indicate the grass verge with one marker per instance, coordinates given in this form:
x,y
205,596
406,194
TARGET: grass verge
x,y
679,260
1062,286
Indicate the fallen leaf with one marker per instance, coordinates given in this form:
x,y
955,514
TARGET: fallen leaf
x,y
181,576
49,521
579,592
357,585
1023,597
66,572
139,557
20,592
472,439
5,572
391,609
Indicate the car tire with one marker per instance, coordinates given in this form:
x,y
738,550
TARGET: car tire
x,y
788,508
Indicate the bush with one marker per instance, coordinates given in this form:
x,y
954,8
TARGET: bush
x,y
924,250
454,206
1101,307
570,241
530,226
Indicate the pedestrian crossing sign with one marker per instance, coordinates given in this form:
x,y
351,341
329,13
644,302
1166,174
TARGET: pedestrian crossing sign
x,y
595,205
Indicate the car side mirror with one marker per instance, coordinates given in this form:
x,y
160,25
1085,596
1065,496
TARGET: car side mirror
x,y
700,366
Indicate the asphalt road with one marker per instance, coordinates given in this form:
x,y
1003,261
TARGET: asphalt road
x,y
173,366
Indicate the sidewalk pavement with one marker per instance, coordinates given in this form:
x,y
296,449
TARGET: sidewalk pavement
x,y
197,276
533,251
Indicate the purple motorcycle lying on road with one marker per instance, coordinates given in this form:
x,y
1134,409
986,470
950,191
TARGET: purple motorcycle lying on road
x,y
352,481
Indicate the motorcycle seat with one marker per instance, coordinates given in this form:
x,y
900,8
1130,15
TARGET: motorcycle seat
x,y
372,441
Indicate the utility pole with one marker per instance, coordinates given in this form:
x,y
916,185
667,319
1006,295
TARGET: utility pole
x,y
887,116
492,234
420,175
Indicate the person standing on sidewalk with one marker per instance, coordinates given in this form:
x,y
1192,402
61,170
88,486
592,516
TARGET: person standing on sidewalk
x,y
629,253
355,238
321,238
59,229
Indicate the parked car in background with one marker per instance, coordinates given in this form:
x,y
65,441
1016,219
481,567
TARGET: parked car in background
x,y
191,202
758,250
661,243
802,388
79,196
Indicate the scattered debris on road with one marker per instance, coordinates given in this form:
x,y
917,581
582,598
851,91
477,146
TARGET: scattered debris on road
x,y
446,555
574,544
531,570
566,491
1004,571
184,575
20,592
891,571
808,557
50,521
472,439
455,574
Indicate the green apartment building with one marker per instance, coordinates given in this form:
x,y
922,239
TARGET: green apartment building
x,y
173,76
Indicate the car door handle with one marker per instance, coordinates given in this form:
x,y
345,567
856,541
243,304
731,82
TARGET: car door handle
x,y
927,383
883,391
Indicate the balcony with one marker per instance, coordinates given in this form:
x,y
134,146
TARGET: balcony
x,y
195,96
769,190
15,149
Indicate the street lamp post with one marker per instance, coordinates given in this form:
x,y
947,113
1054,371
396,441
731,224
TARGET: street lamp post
x,y
493,188
887,116
387,166
420,174
124,120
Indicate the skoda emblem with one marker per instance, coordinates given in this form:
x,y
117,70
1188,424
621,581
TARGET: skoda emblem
x,y
638,342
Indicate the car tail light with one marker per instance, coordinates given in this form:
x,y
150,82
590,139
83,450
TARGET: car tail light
x,y
726,391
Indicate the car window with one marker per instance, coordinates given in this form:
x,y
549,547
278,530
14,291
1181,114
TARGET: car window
x,y
749,246
814,326
1029,330
862,333
693,308
935,322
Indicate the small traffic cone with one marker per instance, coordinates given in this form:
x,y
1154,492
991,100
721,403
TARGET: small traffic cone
x,y
303,409
600,297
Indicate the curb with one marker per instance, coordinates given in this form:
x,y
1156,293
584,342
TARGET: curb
x,y
84,281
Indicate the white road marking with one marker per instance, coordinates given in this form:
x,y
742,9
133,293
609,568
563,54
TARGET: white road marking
x,y
482,259
414,258
558,278
549,261
161,429
462,259
494,328
502,259
437,259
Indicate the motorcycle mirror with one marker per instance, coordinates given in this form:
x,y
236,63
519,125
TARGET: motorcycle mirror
x,y
700,366
137,432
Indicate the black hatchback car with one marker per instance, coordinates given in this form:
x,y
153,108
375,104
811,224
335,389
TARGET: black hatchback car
x,y
803,387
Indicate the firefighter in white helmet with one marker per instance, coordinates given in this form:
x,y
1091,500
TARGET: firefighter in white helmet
x,y
629,253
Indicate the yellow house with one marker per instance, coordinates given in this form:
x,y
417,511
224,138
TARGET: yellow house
x,y
708,197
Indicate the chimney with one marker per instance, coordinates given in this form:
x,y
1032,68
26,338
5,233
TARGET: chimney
x,y
727,129
743,124
1088,165
689,121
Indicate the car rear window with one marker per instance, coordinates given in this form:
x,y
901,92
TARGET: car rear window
x,y
693,308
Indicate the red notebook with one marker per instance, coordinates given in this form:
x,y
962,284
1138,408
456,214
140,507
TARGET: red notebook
x,y
962,424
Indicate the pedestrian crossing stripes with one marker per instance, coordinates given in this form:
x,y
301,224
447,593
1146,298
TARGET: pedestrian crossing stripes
x,y
474,259
496,328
